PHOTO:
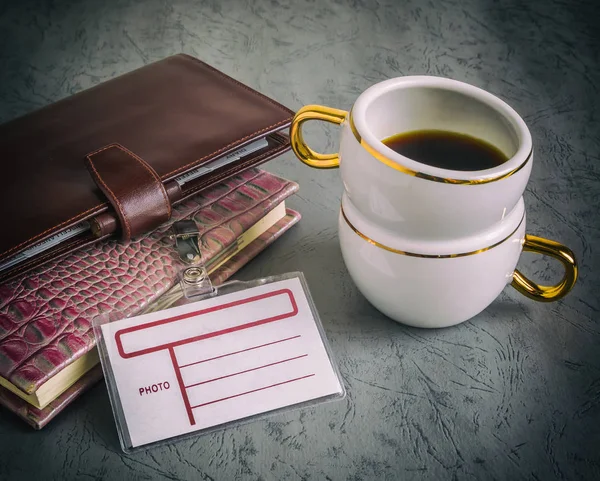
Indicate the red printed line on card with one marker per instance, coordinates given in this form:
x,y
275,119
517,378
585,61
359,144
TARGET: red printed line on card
x,y
252,391
247,370
240,351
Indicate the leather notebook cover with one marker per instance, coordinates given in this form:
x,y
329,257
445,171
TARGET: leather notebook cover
x,y
112,157
38,418
46,314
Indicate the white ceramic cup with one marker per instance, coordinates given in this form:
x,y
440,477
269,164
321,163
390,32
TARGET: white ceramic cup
x,y
434,284
409,197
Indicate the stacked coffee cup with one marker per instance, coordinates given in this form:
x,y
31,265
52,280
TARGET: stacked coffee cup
x,y
431,237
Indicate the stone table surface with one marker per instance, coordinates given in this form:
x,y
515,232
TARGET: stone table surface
x,y
512,394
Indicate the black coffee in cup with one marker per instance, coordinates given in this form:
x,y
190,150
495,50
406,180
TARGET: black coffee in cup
x,y
446,150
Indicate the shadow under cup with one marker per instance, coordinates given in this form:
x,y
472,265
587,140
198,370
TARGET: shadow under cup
x,y
414,199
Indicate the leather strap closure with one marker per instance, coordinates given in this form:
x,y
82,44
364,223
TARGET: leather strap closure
x,y
133,188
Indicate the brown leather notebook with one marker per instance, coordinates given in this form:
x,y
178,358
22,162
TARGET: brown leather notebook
x,y
114,159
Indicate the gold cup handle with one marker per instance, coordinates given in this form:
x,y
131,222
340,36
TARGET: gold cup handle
x,y
299,146
528,288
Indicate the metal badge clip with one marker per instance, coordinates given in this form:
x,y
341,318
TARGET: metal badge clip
x,y
187,243
193,277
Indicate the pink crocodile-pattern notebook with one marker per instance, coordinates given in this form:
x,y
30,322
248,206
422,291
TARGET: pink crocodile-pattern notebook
x,y
38,418
45,316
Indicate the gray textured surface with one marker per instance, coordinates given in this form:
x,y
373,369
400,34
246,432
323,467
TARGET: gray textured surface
x,y
513,394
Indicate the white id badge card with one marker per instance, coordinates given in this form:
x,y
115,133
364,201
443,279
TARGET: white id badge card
x,y
248,350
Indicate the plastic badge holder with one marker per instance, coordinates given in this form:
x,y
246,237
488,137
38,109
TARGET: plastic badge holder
x,y
230,355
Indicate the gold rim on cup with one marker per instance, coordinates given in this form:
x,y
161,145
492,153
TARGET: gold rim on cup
x,y
330,161
520,282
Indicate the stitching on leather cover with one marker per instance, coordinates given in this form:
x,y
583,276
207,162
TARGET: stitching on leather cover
x,y
67,248
78,216
152,174
111,193
231,173
225,148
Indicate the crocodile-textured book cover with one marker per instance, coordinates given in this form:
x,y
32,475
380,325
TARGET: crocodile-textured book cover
x,y
38,418
45,315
